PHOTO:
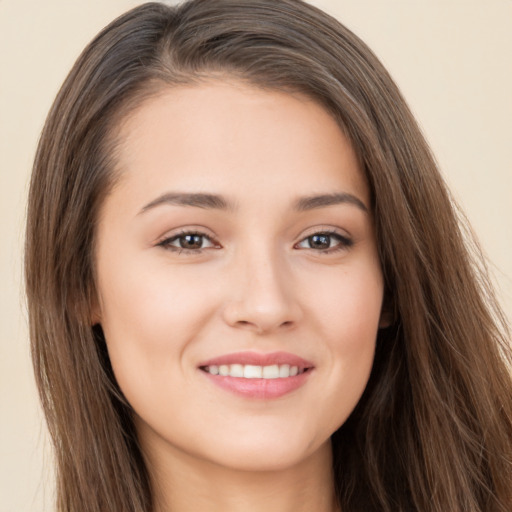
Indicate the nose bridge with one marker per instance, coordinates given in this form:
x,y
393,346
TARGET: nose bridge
x,y
261,290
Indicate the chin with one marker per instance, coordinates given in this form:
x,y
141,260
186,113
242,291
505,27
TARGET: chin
x,y
268,455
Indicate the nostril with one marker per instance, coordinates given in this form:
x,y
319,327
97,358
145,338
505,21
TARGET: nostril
x,y
246,323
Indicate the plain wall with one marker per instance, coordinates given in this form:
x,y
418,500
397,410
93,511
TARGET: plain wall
x,y
451,58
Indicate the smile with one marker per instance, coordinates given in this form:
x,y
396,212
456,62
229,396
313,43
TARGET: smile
x,y
255,375
249,371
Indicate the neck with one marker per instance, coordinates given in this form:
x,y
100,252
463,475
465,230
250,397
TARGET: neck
x,y
184,484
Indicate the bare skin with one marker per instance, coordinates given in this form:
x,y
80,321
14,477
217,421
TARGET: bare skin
x,y
239,239
213,488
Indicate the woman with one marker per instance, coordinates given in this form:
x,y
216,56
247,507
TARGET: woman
x,y
247,284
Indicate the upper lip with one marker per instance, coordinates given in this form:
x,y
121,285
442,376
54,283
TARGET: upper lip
x,y
258,359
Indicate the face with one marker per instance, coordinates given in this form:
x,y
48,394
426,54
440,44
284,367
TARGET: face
x,y
239,285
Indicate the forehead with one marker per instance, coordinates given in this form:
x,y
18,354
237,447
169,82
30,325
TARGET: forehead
x,y
233,137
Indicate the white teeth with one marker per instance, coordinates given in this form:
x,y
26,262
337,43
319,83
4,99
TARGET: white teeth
x,y
252,372
249,371
236,370
271,372
284,370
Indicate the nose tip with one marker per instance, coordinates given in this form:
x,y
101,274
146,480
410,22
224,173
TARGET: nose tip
x,y
262,302
260,324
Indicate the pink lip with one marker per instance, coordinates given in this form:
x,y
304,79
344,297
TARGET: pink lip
x,y
259,359
263,389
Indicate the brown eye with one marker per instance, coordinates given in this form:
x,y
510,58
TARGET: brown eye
x,y
193,242
320,241
325,241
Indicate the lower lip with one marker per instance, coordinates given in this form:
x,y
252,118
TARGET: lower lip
x,y
263,389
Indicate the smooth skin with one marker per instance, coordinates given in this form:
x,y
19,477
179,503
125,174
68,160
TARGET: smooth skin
x,y
183,279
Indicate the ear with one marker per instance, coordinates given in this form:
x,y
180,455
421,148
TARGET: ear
x,y
386,318
95,316
387,314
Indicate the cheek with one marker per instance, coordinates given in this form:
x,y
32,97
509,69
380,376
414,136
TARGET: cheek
x,y
348,311
348,303
149,317
144,299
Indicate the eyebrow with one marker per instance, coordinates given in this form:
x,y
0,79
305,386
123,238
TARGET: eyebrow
x,y
217,202
198,200
321,201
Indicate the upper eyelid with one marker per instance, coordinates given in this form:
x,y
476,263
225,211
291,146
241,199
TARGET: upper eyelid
x,y
204,232
344,240
328,230
167,239
173,234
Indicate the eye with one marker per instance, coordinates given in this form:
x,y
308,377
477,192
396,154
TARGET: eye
x,y
326,241
188,241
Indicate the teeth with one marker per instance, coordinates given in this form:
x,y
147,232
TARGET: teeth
x,y
271,372
284,370
252,372
236,370
249,371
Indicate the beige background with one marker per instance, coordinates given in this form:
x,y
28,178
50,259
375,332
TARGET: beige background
x,y
451,58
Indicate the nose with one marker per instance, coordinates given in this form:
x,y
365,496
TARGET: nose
x,y
262,295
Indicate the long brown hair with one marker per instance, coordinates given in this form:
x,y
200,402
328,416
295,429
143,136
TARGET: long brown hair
x,y
433,430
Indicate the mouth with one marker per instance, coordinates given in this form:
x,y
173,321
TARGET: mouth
x,y
250,371
255,375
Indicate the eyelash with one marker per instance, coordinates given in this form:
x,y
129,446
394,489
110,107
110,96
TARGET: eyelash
x,y
344,242
166,243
